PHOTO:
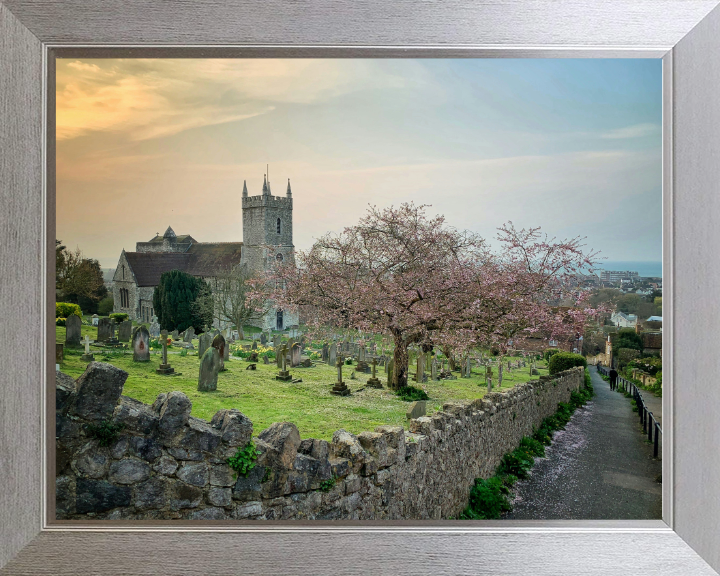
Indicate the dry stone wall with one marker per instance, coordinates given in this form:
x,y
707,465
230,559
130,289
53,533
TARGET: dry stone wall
x,y
165,464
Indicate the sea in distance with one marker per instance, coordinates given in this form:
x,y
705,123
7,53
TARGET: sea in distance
x,y
644,269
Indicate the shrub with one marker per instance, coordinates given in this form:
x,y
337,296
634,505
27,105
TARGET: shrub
x,y
106,432
626,355
549,353
65,309
517,463
244,459
564,361
60,321
411,394
119,317
106,305
488,499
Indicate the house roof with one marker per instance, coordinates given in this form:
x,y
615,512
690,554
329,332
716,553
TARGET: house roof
x,y
205,260
183,239
654,319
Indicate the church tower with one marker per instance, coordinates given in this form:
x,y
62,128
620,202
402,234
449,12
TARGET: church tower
x,y
267,221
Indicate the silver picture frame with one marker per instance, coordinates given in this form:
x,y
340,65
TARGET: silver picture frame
x,y
684,33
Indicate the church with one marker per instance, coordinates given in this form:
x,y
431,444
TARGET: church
x,y
267,221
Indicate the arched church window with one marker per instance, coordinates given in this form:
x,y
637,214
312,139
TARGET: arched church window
x,y
278,225
123,272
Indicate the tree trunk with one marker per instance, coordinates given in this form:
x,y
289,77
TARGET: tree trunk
x,y
451,359
401,361
241,332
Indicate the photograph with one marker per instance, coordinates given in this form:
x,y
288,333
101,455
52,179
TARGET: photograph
x,y
358,289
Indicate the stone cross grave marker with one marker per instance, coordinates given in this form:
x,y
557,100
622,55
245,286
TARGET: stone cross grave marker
x,y
141,344
73,327
284,373
87,357
164,368
374,381
209,368
340,389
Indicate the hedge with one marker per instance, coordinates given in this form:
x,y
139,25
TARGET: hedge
x,y
65,309
549,353
119,316
564,361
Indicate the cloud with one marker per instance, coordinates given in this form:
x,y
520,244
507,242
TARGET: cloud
x,y
149,98
634,131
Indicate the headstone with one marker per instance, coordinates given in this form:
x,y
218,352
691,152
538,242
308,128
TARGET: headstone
x,y
141,344
189,334
265,359
416,410
95,319
325,352
332,355
226,354
59,352
87,357
276,341
204,342
263,338
209,368
105,330
434,369
125,330
340,389
374,381
254,345
284,373
175,335
219,344
295,355
73,327
361,353
155,329
164,368
468,368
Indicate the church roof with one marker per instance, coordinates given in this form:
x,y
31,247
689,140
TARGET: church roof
x,y
184,239
205,259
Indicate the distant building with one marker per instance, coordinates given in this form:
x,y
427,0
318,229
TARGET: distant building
x,y
622,320
618,276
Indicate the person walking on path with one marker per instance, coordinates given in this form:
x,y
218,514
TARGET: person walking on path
x,y
613,378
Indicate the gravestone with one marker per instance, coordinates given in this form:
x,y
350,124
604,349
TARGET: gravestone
x,y
105,330
340,389
374,381
416,410
219,344
73,327
295,355
263,338
226,355
175,335
325,352
265,359
254,345
125,331
434,369
141,344
420,369
468,368
204,342
189,334
209,368
164,368
332,354
87,357
95,319
284,374
276,341
154,329
59,352
278,357
361,353
253,357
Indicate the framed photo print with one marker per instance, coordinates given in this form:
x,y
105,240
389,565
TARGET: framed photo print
x,y
359,288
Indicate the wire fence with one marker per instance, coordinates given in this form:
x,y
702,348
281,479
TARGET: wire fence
x,y
651,427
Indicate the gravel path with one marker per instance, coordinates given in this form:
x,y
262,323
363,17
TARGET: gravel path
x,y
599,467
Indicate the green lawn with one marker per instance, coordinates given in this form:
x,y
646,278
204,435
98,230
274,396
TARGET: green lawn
x,y
257,394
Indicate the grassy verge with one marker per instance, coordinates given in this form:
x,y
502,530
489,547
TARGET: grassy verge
x,y
490,497
257,394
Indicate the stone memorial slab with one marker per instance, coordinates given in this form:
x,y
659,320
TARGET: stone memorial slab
x,y
154,329
219,344
141,344
332,355
324,353
105,330
95,319
416,410
125,330
73,327
295,354
189,334
263,338
204,342
209,368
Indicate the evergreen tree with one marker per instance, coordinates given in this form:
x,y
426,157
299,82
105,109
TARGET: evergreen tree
x,y
174,302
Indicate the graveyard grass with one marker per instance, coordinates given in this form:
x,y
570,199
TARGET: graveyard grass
x,y
264,400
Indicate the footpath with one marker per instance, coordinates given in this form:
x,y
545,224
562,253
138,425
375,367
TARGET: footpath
x,y
599,467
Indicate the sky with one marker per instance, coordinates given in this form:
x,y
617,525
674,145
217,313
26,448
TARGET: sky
x,y
572,146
